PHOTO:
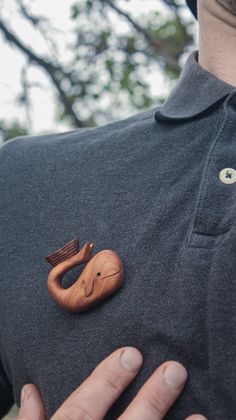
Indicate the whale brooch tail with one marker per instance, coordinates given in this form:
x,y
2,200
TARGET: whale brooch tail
x,y
101,277
69,250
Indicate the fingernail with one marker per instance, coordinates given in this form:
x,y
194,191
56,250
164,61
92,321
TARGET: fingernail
x,y
175,375
131,359
198,417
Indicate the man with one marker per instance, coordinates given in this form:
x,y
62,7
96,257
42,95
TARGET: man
x,y
159,188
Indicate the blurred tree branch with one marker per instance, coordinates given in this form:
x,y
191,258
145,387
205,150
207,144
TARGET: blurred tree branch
x,y
42,24
50,69
104,63
153,42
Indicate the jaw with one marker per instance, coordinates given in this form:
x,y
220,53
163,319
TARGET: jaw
x,y
215,20
229,5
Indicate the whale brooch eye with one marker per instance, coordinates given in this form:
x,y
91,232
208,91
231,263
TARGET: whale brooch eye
x,y
86,291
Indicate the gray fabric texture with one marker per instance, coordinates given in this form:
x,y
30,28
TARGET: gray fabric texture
x,y
147,187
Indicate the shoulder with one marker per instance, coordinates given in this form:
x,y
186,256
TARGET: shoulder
x,y
28,160
123,129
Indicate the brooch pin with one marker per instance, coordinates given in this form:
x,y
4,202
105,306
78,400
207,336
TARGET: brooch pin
x,y
101,277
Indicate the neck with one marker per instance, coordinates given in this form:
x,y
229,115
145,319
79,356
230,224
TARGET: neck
x,y
217,40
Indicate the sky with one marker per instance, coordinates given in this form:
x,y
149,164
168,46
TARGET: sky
x,y
12,61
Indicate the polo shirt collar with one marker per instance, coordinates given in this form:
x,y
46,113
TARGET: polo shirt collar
x,y
195,91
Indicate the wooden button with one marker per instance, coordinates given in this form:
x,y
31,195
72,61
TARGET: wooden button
x,y
101,277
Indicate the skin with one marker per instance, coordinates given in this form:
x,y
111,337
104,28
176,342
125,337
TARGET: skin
x,y
93,398
217,38
229,5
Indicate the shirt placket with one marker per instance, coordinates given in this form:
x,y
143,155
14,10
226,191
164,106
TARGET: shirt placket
x,y
215,214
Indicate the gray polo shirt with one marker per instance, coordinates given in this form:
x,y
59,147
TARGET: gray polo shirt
x,y
147,187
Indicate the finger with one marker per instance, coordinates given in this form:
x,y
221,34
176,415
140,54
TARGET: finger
x,y
31,404
158,394
196,417
103,387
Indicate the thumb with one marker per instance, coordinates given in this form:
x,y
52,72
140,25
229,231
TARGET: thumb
x,y
31,404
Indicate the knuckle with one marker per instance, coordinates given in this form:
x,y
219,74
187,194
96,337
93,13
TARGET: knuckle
x,y
113,382
158,402
75,413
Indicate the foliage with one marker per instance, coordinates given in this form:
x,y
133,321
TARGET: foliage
x,y
110,58
10,130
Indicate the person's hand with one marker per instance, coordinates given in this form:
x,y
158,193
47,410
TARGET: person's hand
x,y
93,398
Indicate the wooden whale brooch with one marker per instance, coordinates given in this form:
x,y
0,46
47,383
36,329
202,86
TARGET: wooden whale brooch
x,y
101,277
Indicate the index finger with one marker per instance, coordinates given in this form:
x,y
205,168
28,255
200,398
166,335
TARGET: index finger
x,y
102,388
